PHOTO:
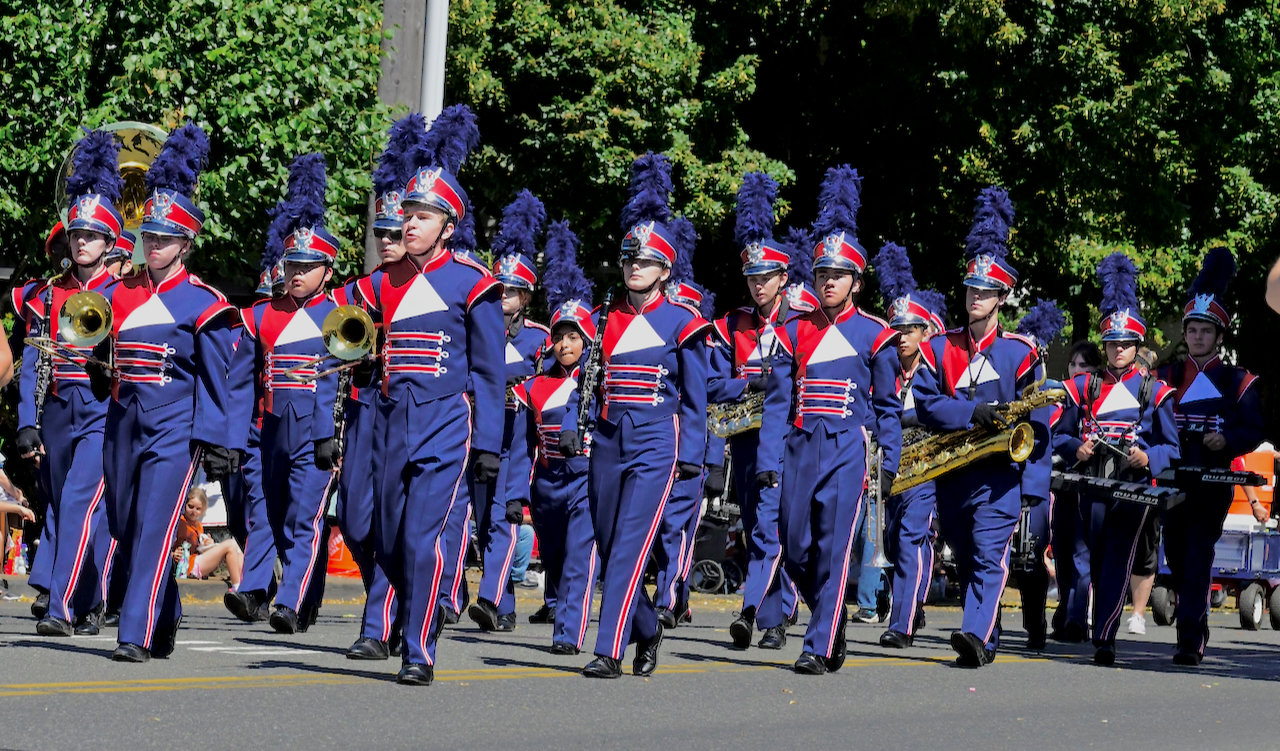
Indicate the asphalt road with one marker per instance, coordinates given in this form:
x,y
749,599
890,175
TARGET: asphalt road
x,y
233,685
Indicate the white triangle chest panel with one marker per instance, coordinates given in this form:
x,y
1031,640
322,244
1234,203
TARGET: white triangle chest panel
x,y
909,401
299,329
638,335
1117,400
1200,390
150,313
764,344
832,347
420,299
513,354
980,369
560,396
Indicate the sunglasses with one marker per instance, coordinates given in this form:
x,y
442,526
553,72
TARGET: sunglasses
x,y
394,235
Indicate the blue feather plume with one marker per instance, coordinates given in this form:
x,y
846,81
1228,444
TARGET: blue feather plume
x,y
708,306
933,301
894,270
753,214
521,222
800,254
1119,279
95,167
685,238
838,202
1216,270
395,166
1044,322
302,206
992,218
649,191
464,232
177,166
564,279
452,137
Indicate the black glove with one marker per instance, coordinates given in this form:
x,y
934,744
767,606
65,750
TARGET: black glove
x,y
362,373
570,444
515,380
757,384
688,470
219,461
327,453
989,416
1030,500
485,467
515,512
767,480
713,485
886,481
99,380
29,442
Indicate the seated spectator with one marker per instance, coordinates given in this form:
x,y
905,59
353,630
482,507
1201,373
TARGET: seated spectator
x,y
205,554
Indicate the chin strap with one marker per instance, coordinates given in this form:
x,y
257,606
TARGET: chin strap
x,y
435,242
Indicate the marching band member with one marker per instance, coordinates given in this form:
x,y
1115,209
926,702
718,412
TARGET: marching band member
x,y
442,317
70,411
1219,417
119,259
833,374
298,446
499,505
979,368
172,341
908,533
380,625
1123,427
652,421
558,502
749,343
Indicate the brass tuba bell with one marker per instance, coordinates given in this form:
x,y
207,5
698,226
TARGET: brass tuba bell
x,y
139,146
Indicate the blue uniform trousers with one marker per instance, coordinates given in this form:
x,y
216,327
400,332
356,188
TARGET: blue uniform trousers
x,y
1191,529
1070,560
495,535
297,496
675,543
978,510
79,554
769,593
424,449
260,542
1033,585
149,462
567,544
633,468
1114,527
908,538
457,543
821,506
38,576
355,521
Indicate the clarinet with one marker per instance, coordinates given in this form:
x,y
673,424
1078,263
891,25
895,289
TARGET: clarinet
x,y
340,410
44,379
591,373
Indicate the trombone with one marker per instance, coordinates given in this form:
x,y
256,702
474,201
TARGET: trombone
x,y
348,334
83,321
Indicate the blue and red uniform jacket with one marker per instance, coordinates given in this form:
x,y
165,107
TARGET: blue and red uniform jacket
x,y
1216,398
654,365
173,342
552,402
841,374
964,373
40,308
1117,414
443,336
18,298
746,342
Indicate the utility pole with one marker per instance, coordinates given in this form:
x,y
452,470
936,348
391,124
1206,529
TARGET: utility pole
x,y
433,58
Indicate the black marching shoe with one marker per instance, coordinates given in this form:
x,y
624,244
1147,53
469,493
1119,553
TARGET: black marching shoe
x,y
774,638
1105,656
666,617
1187,657
484,614
810,664
841,650
415,674
284,620
130,653
794,617
506,623
603,667
563,648
365,648
450,616
88,624
165,641
40,608
111,620
895,639
246,606
646,660
919,622
1070,633
50,626
686,616
543,614
741,630
1036,640
972,651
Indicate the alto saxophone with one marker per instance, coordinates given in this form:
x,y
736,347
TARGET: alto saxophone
x,y
731,418
927,455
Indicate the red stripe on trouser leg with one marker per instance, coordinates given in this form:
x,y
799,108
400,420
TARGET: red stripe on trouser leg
x,y
162,564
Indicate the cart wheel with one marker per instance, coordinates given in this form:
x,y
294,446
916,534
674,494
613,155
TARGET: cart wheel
x,y
707,577
1217,598
1251,602
733,576
1161,606
1273,604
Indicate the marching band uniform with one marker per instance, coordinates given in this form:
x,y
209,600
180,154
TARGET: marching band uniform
x,y
830,379
979,505
172,343
498,505
1121,409
73,412
1212,397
